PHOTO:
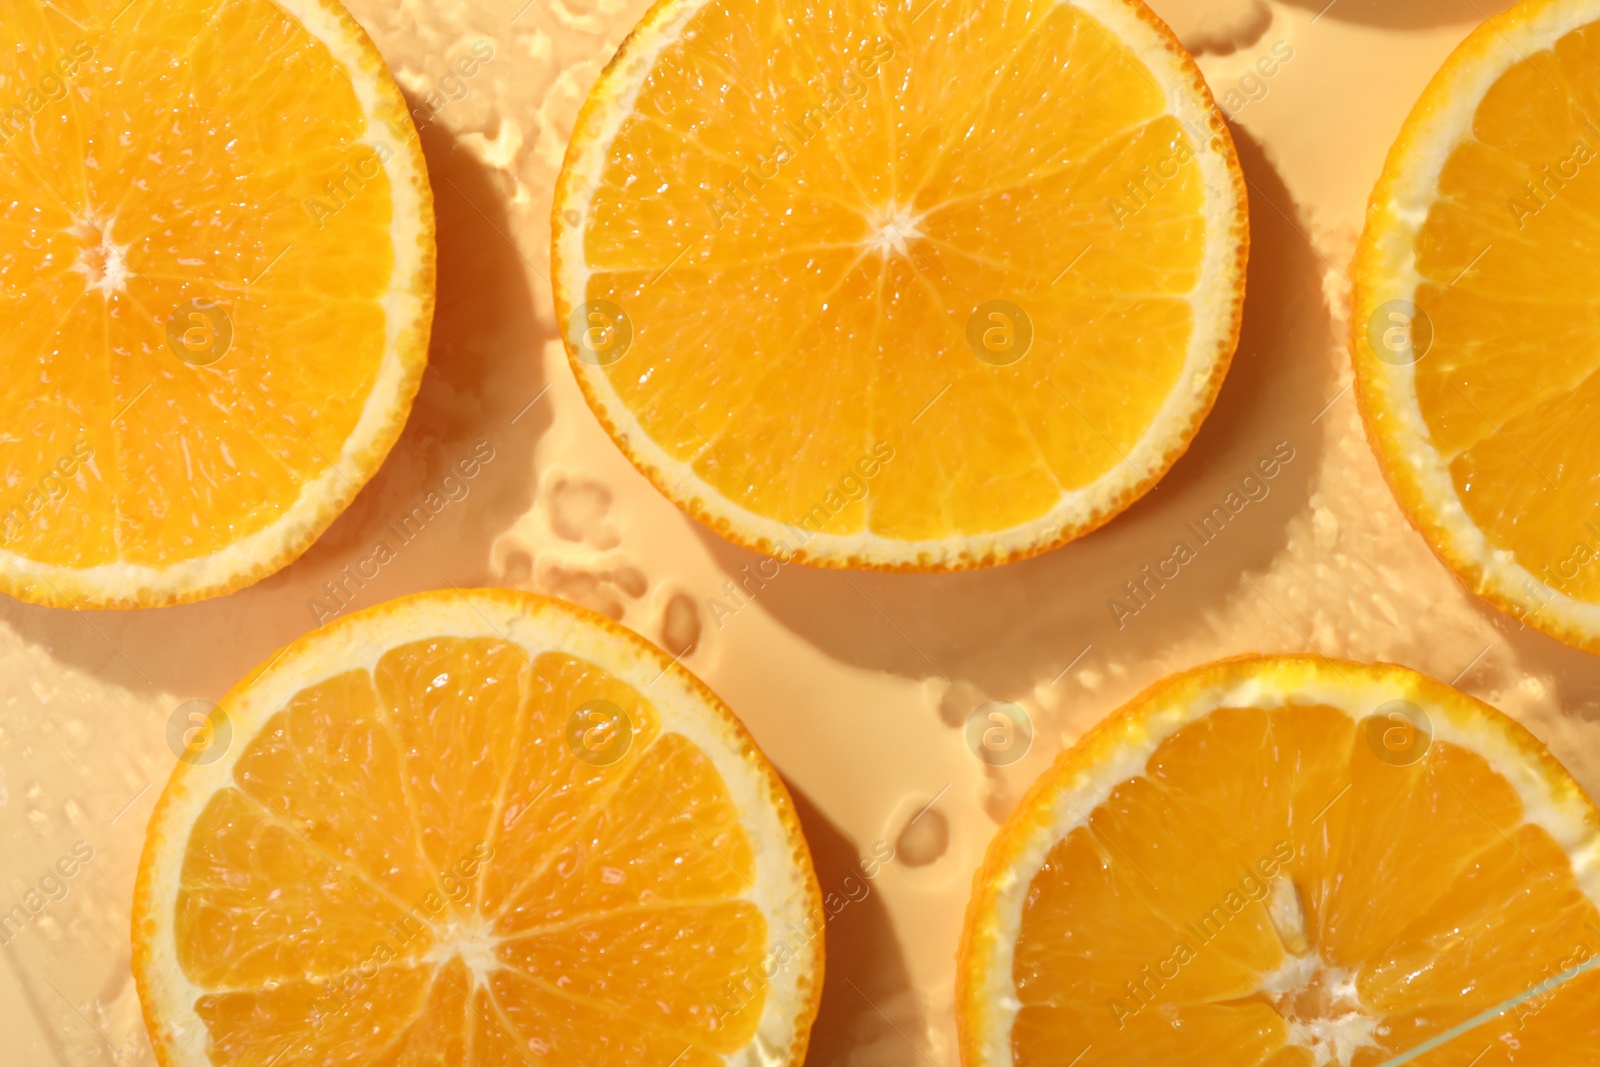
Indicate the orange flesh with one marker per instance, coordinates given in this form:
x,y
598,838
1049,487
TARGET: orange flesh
x,y
1508,388
823,217
172,155
416,854
1147,936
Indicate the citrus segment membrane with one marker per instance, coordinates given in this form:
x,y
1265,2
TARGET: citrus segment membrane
x,y
920,286
216,270
441,850
1290,862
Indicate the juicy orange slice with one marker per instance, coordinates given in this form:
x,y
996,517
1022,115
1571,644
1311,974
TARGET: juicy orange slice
x,y
919,286
1473,333
478,828
216,284
1294,862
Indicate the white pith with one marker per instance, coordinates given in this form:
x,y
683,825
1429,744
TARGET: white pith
x,y
1331,1036
472,941
102,261
896,229
1212,301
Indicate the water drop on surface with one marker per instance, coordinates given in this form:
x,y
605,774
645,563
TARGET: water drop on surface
x,y
923,839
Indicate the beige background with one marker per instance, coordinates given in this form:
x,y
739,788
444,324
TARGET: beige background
x,y
856,685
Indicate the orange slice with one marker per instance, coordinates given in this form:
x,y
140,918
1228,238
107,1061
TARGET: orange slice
x,y
1290,862
480,829
926,285
1475,343
216,285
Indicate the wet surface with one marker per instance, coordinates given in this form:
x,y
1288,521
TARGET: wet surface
x,y
858,686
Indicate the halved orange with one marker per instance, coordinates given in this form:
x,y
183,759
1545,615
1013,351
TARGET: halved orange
x,y
1290,862
923,285
475,828
1474,336
216,286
